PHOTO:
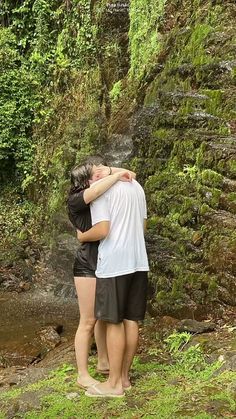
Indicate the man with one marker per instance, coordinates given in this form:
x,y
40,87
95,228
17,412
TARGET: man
x,y
118,219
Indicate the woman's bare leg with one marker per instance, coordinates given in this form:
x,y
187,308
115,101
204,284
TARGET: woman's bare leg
x,y
100,331
85,288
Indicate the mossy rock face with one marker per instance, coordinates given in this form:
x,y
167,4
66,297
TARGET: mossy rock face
x,y
184,138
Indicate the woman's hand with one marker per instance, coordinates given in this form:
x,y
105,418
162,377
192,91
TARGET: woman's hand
x,y
80,236
125,175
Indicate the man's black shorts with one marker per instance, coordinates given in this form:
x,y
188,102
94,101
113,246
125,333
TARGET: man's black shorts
x,y
121,297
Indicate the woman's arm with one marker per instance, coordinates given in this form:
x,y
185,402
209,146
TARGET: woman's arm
x,y
93,193
103,171
118,169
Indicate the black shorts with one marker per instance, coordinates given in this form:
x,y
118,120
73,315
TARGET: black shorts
x,y
81,270
121,297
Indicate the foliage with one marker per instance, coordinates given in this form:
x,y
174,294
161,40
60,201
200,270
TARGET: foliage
x,y
19,101
41,45
145,41
115,91
176,341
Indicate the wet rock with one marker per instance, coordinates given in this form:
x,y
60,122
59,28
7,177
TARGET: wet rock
x,y
49,337
65,290
62,256
227,204
21,356
221,218
195,327
229,185
119,149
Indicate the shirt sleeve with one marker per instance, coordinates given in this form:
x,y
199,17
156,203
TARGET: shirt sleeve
x,y
99,210
76,202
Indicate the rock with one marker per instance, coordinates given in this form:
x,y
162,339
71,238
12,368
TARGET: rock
x,y
62,256
119,149
195,327
168,322
72,396
49,337
24,286
197,238
229,361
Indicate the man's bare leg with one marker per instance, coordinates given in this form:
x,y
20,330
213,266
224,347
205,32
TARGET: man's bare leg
x,y
131,344
115,347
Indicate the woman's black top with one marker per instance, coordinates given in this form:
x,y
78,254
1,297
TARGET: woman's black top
x,y
80,216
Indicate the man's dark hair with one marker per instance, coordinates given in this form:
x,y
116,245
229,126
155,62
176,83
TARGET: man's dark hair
x,y
96,159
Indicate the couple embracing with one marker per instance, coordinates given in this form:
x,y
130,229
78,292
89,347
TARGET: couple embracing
x,y
108,208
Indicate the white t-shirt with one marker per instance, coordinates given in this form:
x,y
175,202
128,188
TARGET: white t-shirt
x,y
123,251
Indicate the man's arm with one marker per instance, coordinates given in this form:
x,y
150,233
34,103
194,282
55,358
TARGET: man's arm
x,y
98,232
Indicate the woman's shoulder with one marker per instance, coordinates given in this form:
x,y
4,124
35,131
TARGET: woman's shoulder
x,y
76,200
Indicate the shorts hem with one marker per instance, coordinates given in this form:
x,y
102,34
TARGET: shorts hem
x,y
137,319
118,274
109,320
84,275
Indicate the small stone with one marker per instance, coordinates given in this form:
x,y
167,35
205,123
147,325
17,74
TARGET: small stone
x,y
24,286
72,396
49,337
197,238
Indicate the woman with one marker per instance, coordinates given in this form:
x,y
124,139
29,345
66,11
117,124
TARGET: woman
x,y
79,199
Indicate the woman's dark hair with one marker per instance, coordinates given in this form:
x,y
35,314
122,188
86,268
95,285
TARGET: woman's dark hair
x,y
79,177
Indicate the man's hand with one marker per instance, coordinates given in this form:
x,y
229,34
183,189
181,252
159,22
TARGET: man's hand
x,y
101,171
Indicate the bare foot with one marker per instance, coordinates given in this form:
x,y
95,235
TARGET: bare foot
x,y
126,383
127,386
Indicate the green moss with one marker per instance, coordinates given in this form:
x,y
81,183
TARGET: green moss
x,y
211,178
115,91
214,102
232,196
231,168
204,209
213,288
153,222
